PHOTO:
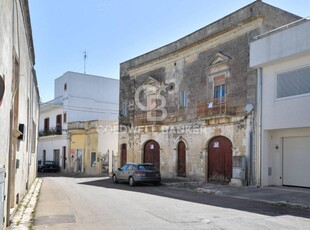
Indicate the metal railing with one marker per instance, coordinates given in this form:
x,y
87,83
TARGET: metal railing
x,y
51,131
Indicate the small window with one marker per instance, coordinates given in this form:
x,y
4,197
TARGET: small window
x,y
65,87
183,99
292,83
93,159
125,110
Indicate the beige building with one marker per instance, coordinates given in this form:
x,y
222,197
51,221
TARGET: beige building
x,y
19,107
93,146
189,106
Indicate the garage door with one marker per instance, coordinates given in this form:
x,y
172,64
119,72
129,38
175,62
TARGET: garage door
x,y
296,161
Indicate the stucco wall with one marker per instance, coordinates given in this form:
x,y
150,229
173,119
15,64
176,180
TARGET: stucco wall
x,y
289,112
16,44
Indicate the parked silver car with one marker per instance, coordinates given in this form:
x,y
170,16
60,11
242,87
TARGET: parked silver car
x,y
137,173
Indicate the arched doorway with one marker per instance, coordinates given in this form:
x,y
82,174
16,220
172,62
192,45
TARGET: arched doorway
x,y
220,160
123,155
151,153
181,159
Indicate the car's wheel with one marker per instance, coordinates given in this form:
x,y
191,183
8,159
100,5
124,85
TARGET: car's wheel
x,y
114,179
131,181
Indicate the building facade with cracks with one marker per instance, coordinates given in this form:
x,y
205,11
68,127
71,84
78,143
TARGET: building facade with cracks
x,y
189,107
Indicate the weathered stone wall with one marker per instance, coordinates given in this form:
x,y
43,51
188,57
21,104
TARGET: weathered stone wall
x,y
190,65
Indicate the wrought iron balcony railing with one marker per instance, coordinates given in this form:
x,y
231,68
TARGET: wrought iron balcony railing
x,y
51,131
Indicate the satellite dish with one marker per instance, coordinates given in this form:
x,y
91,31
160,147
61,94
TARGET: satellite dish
x,y
249,108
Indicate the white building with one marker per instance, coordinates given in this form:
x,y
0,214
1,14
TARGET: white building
x,y
19,107
282,58
78,97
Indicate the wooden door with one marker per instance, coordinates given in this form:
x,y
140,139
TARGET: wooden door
x,y
220,160
181,159
123,155
151,153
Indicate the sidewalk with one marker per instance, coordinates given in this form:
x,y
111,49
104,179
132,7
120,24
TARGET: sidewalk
x,y
276,195
26,209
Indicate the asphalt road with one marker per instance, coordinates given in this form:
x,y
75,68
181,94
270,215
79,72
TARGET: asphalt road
x,y
97,203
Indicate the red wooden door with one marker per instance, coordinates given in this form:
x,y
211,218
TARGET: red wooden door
x,y
124,155
181,159
151,153
220,160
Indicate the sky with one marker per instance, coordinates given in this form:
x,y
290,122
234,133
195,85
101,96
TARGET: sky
x,y
114,31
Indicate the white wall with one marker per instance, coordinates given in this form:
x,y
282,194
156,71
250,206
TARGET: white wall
x,y
16,43
275,53
280,45
273,153
108,141
290,112
88,97
51,143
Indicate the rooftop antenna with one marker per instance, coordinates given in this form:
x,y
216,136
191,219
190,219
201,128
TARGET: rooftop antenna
x,y
85,56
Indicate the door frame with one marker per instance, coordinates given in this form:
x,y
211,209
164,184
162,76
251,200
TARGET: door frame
x,y
143,151
207,171
177,150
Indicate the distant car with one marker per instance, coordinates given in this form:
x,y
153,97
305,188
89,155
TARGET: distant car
x,y
137,173
47,166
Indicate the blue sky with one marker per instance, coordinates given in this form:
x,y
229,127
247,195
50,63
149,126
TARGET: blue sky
x,y
113,31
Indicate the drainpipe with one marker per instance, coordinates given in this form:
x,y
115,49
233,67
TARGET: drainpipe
x,y
259,125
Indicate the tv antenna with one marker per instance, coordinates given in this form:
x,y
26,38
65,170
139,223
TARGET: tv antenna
x,y
85,56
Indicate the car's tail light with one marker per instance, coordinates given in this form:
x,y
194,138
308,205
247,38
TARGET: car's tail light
x,y
139,172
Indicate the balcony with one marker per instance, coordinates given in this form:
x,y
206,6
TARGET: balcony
x,y
51,131
214,107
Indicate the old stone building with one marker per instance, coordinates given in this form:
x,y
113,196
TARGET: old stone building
x,y
189,106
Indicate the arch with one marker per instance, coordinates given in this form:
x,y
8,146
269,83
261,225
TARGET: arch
x,y
219,159
151,153
181,162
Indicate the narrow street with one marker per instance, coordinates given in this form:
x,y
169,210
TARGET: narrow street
x,y
97,203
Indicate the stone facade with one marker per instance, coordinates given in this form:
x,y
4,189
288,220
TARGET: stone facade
x,y
199,91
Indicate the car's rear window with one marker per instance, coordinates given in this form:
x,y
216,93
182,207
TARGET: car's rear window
x,y
147,167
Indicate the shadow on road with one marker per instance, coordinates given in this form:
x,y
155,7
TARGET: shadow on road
x,y
191,195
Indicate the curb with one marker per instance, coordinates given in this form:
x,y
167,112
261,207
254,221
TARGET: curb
x,y
276,203
22,219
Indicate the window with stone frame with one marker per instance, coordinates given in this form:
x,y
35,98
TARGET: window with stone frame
x,y
183,99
